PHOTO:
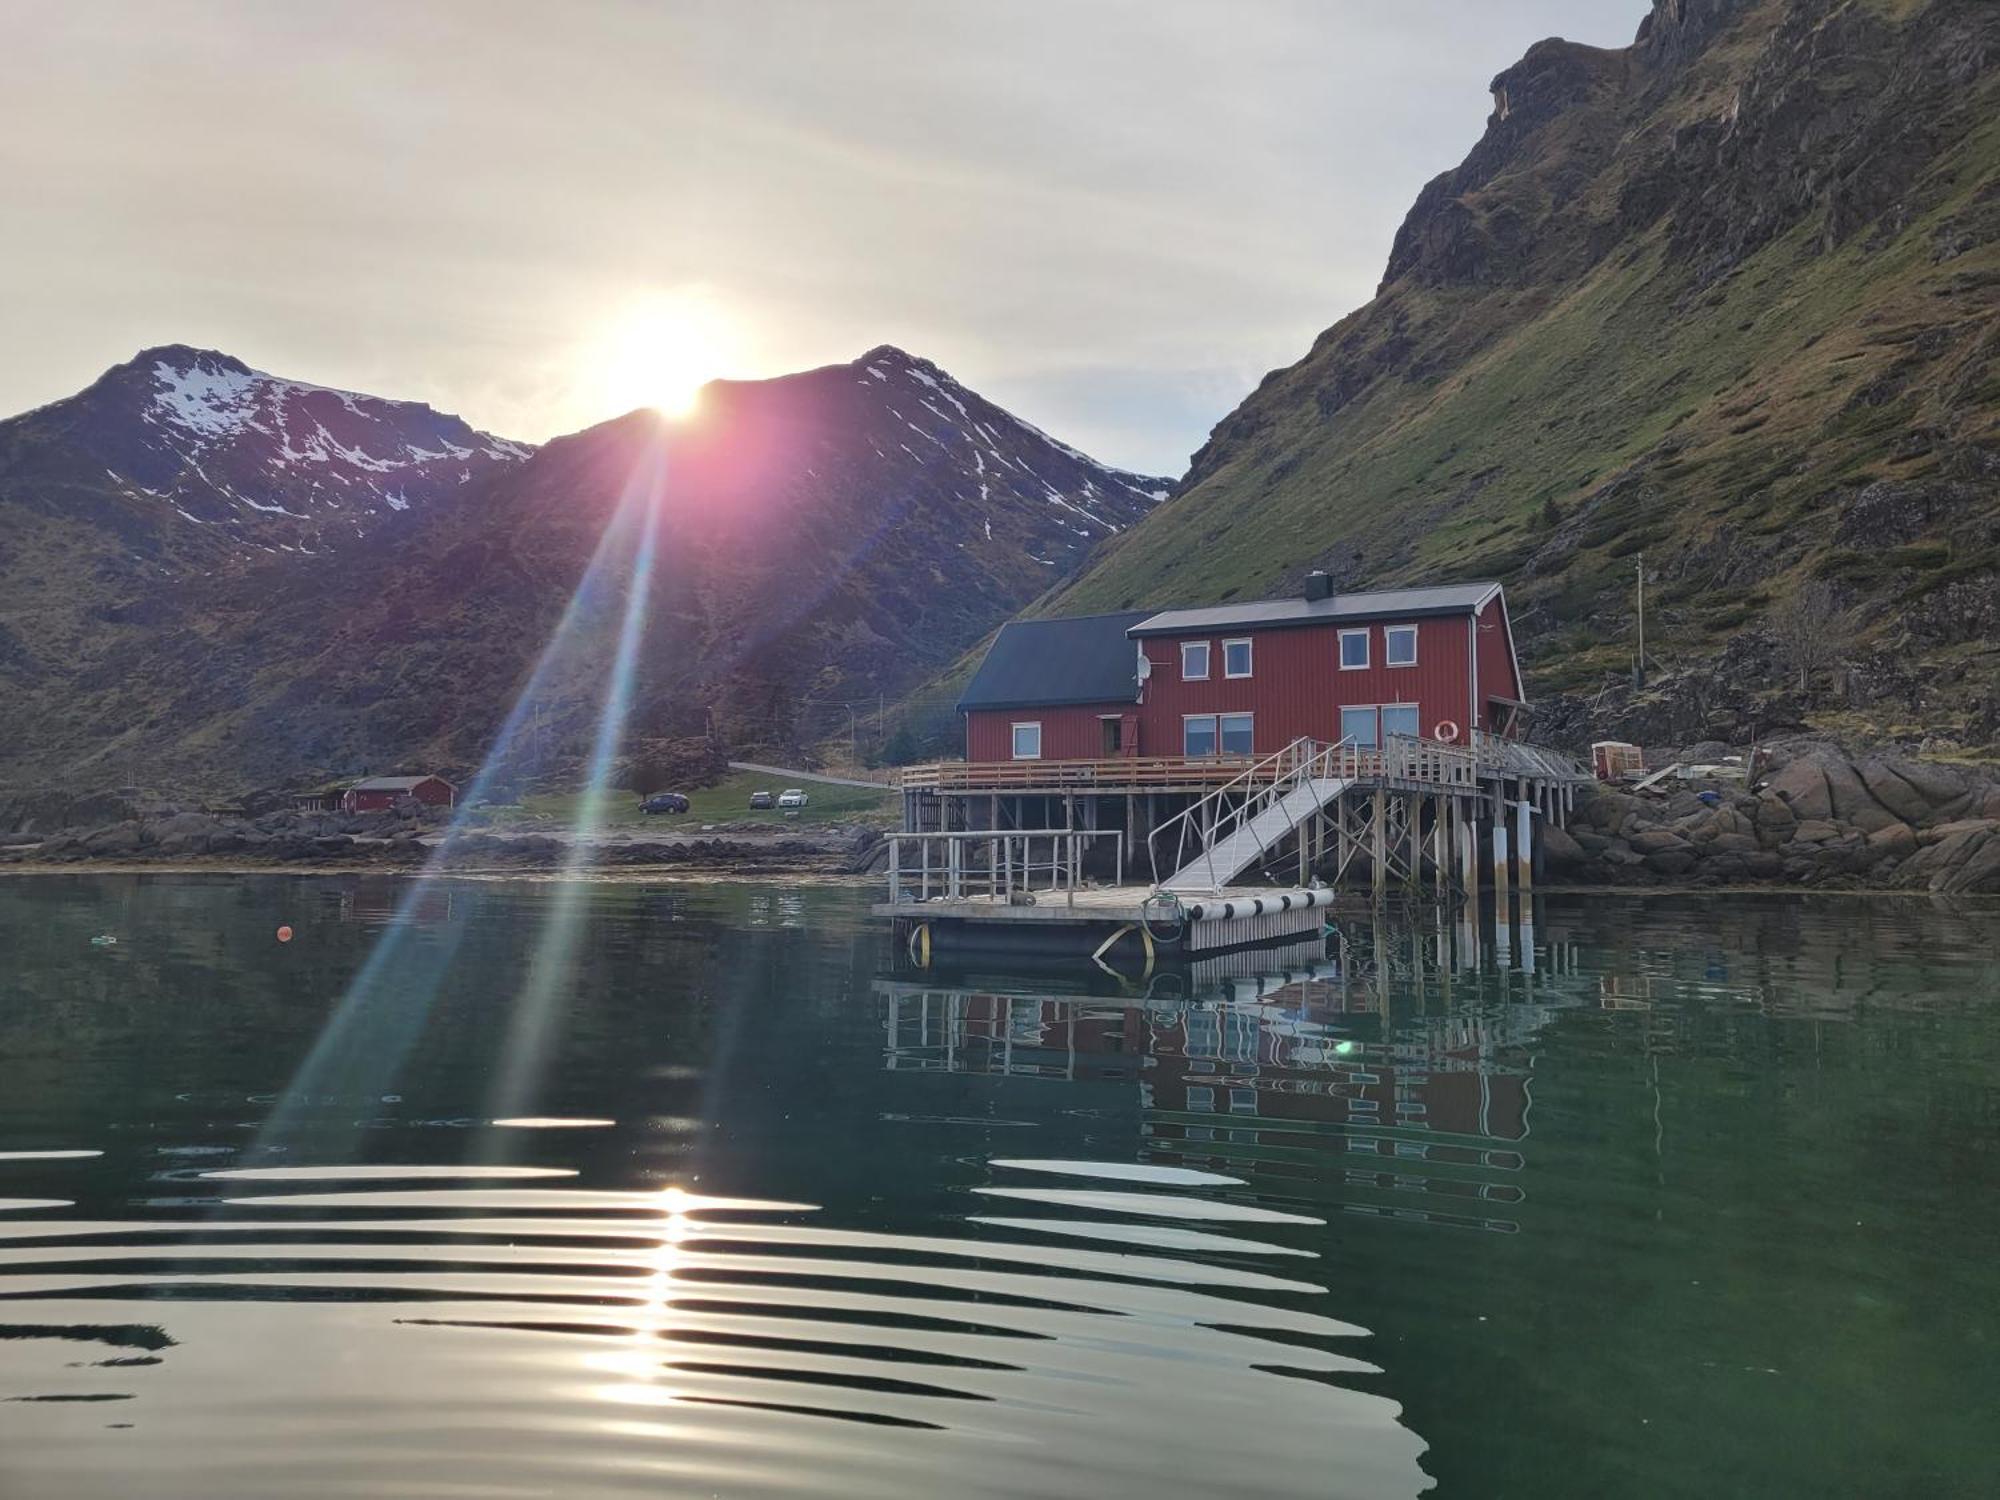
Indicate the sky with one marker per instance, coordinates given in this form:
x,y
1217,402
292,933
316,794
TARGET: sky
x,y
1110,216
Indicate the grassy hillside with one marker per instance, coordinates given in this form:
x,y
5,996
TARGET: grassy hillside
x,y
1737,314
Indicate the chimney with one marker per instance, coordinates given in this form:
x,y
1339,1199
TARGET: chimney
x,y
1318,585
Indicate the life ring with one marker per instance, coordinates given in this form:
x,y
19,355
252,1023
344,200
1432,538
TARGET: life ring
x,y
1445,732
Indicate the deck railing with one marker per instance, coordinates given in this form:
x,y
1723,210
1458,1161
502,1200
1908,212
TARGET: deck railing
x,y
1403,758
1505,757
1056,775
998,864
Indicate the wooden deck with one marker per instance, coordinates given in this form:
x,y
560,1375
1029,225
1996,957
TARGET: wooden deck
x,y
1404,763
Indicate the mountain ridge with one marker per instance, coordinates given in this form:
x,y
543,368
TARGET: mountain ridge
x,y
823,538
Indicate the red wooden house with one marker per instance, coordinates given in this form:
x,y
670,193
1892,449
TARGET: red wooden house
x,y
380,793
1248,679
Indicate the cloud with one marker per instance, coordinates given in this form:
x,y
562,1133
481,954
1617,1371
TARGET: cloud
x,y
1117,214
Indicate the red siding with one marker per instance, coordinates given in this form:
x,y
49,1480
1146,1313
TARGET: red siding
x,y
1496,661
1071,732
433,790
1297,687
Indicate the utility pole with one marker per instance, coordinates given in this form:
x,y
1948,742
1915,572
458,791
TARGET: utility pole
x,y
853,750
1639,662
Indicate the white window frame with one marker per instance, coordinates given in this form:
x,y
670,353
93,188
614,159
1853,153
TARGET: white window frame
x,y
1221,748
1372,709
1389,634
1014,739
1248,646
1382,725
1204,647
1345,636
1214,722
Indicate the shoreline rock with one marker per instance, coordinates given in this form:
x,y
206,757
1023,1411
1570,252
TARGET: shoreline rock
x,y
1820,818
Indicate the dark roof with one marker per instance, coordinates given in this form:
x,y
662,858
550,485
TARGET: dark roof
x,y
392,783
1447,599
1035,663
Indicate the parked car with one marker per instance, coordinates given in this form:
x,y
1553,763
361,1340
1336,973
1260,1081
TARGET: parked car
x,y
791,798
664,802
763,801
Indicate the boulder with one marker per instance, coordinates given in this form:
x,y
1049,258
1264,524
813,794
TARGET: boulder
x,y
1803,787
1765,864
1966,859
1560,850
1591,842
1937,784
119,838
1775,813
1888,787
1673,861
1815,831
1657,840
1734,843
1897,841
1942,832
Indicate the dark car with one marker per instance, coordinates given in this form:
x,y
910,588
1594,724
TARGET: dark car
x,y
664,802
762,801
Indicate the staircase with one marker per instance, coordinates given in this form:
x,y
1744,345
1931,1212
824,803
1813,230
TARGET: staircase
x,y
1242,823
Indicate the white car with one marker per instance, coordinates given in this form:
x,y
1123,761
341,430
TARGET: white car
x,y
791,797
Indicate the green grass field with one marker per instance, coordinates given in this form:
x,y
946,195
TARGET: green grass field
x,y
728,801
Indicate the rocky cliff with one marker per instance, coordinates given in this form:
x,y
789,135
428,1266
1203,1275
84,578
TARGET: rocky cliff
x,y
1724,304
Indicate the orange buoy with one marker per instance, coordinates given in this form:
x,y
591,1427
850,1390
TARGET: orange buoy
x,y
284,934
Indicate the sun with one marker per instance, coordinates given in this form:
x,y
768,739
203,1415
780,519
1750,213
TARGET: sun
x,y
660,352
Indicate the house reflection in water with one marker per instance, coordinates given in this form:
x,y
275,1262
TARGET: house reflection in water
x,y
1373,1078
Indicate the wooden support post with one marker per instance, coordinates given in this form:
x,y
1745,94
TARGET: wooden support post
x,y
1499,825
1524,845
1468,853
1379,854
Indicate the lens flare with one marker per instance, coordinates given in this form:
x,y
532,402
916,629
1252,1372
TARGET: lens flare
x,y
377,1020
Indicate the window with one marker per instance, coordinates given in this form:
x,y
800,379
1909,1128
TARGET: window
x,y
1358,725
1400,718
1201,1100
1198,734
1399,646
1027,742
1238,737
1110,734
1353,650
1235,658
1194,661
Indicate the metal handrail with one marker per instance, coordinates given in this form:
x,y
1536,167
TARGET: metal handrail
x,y
1214,818
997,864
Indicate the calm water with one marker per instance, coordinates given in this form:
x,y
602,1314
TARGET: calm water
x,y
546,1190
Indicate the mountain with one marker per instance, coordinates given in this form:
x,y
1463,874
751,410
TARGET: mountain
x,y
818,540
1725,298
179,437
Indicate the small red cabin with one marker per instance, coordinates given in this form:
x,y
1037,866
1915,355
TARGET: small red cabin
x,y
380,793
1248,679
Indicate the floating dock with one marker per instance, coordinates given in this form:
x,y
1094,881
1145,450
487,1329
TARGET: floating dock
x,y
1108,922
